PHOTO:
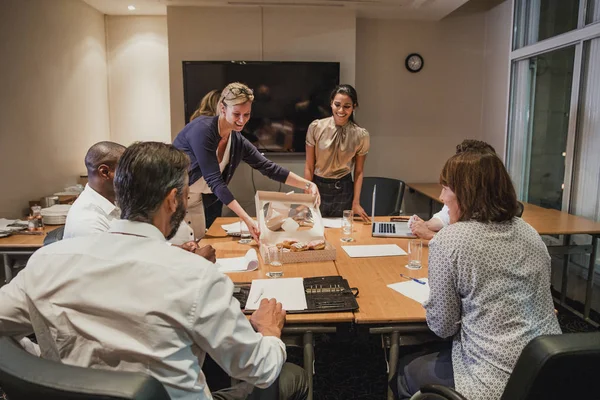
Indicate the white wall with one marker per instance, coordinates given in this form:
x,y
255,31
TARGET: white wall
x,y
53,96
416,119
496,76
253,33
138,78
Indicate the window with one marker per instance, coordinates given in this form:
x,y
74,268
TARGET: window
x,y
537,20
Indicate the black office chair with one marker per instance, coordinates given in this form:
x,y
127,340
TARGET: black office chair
x,y
390,193
520,209
551,367
54,235
27,377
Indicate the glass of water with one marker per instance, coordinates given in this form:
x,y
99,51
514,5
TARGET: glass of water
x,y
245,236
415,251
274,256
347,218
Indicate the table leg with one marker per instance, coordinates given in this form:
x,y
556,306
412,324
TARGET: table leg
x,y
565,271
590,280
393,359
309,359
7,268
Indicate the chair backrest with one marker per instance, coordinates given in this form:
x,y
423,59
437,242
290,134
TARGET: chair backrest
x,y
556,367
520,209
54,235
25,377
390,193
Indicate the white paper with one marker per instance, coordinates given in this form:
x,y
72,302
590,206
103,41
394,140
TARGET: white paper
x,y
375,250
232,228
288,291
247,263
412,289
332,222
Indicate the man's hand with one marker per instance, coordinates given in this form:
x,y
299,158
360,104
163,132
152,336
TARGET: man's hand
x,y
269,318
419,229
207,252
190,246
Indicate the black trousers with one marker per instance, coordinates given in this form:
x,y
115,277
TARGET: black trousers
x,y
213,208
336,195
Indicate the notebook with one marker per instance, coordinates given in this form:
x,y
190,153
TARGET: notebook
x,y
388,229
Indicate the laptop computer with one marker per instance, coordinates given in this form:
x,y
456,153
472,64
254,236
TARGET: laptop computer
x,y
388,229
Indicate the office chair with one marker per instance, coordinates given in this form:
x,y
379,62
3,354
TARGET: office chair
x,y
27,377
390,193
54,236
550,367
520,209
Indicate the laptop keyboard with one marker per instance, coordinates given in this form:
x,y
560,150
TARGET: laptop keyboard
x,y
387,228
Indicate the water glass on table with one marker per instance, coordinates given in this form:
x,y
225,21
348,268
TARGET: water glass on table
x,y
274,258
347,219
245,236
415,252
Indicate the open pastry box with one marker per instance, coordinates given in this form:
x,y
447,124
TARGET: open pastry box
x,y
292,221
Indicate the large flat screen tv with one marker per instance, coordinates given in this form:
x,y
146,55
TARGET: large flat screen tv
x,y
288,96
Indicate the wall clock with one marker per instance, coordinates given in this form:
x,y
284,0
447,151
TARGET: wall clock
x,y
414,62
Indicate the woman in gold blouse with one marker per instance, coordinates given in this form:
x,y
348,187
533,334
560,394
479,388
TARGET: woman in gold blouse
x,y
336,147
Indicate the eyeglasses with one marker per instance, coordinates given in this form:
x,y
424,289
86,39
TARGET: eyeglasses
x,y
237,91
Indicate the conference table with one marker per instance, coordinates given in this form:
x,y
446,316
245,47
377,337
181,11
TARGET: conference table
x,y
549,222
381,310
20,245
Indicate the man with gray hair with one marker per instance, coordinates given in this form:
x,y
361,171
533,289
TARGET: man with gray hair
x,y
123,300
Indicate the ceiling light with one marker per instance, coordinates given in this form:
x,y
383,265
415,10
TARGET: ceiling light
x,y
131,7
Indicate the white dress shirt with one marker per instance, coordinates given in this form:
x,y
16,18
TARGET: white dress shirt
x,y
443,215
90,214
122,300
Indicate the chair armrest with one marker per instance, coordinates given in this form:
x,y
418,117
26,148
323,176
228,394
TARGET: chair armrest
x,y
445,391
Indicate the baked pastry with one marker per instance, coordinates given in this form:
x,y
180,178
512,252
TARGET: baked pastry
x,y
299,246
316,245
287,244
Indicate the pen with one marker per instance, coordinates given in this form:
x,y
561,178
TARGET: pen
x,y
257,298
414,279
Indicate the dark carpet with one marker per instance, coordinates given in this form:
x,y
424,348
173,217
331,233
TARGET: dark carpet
x,y
354,367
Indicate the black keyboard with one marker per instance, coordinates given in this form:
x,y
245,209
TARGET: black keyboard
x,y
387,228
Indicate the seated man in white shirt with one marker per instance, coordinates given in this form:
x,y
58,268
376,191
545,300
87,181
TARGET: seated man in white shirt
x,y
95,209
123,300
428,229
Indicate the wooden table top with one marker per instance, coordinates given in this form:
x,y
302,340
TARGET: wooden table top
x,y
545,221
378,303
227,246
26,241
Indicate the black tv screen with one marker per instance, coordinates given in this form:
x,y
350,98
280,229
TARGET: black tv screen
x,y
288,96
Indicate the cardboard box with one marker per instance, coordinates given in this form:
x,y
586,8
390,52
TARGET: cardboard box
x,y
282,217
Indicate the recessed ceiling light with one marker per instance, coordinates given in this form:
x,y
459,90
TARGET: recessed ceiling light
x,y
131,8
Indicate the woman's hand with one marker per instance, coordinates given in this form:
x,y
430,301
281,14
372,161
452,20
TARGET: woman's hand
x,y
314,190
253,228
358,210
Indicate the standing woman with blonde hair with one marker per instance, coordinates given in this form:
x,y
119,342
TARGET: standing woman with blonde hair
x,y
208,105
336,147
216,147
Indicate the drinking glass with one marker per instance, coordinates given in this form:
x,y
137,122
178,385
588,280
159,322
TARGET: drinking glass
x,y
274,256
245,236
415,252
347,217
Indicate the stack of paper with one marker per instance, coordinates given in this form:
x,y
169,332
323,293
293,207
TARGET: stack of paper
x,y
376,250
288,291
247,263
233,229
332,222
412,289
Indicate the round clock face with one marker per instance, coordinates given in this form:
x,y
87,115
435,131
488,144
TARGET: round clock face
x,y
414,62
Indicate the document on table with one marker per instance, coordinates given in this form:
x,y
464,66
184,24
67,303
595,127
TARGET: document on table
x,y
288,291
232,228
412,289
376,250
239,264
332,222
